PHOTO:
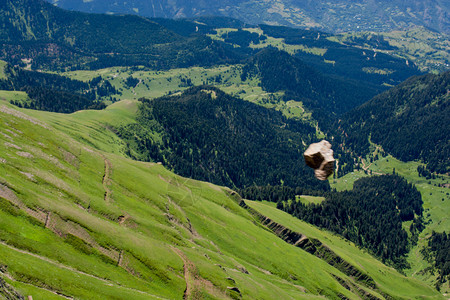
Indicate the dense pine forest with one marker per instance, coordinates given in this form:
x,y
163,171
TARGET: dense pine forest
x,y
209,135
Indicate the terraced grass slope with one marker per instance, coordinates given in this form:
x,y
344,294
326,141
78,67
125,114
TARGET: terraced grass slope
x,y
79,220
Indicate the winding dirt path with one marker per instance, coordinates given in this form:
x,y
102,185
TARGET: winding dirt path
x,y
188,276
366,167
194,282
134,89
107,179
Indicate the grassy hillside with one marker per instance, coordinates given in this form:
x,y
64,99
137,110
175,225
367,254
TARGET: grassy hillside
x,y
80,220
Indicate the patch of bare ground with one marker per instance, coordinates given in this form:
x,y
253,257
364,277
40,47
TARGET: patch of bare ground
x,y
11,145
28,175
88,150
126,220
24,154
18,114
8,194
124,263
6,136
164,179
57,182
64,227
48,157
366,167
70,158
11,132
2,161
175,221
195,283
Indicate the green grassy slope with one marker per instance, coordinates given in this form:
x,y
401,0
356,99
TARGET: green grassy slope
x,y
93,127
80,222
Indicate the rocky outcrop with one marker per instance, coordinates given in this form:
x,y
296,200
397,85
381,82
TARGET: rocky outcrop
x,y
8,292
319,156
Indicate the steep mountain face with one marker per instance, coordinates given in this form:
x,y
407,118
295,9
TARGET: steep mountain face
x,y
336,16
411,121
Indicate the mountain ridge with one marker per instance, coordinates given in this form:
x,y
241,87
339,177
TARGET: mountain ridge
x,y
336,16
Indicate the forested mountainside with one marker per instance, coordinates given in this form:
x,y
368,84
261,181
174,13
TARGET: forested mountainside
x,y
358,61
336,16
410,121
54,38
208,135
370,215
430,50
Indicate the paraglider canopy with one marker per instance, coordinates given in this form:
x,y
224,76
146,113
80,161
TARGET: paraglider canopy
x,y
319,156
